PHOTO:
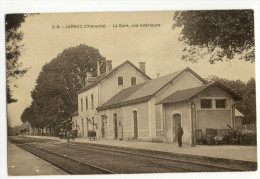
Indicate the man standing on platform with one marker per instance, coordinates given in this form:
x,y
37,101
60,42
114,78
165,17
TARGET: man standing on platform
x,y
179,135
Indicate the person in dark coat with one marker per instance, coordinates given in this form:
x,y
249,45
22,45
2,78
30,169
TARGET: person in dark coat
x,y
179,135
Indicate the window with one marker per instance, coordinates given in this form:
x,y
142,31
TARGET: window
x,y
206,103
120,81
81,103
133,80
220,103
92,101
86,102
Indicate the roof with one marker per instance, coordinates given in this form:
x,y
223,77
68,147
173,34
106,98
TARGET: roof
x,y
238,113
75,113
188,94
104,76
143,91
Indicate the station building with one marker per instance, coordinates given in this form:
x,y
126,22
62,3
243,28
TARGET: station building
x,y
126,104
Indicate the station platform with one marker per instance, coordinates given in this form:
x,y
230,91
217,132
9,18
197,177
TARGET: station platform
x,y
232,152
34,165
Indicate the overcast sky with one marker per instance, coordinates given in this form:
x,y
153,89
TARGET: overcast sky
x,y
157,46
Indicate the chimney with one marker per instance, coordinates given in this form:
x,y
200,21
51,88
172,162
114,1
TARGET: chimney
x,y
142,66
158,75
89,79
108,66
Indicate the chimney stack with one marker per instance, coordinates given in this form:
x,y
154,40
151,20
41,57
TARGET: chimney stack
x,y
89,79
142,66
108,66
158,75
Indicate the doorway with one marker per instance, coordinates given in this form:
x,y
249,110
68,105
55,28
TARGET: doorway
x,y
87,125
176,119
135,124
82,123
115,126
103,126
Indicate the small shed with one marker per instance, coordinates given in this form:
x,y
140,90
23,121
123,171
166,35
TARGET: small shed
x,y
210,106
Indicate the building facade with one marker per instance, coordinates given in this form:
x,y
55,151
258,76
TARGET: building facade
x,y
125,104
100,89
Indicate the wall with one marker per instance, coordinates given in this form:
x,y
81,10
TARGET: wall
x,y
215,118
87,113
183,109
125,121
185,81
109,86
102,93
212,119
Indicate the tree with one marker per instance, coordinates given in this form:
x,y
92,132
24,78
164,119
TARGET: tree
x,y
247,91
55,94
13,50
222,34
20,129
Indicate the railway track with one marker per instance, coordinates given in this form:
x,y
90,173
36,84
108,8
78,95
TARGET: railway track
x,y
139,158
209,164
65,163
177,163
132,164
174,163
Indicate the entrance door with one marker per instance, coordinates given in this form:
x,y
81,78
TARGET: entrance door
x,y
87,125
103,127
176,119
135,125
82,122
115,126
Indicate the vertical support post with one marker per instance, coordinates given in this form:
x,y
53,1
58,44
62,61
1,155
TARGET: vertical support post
x,y
122,123
233,115
192,106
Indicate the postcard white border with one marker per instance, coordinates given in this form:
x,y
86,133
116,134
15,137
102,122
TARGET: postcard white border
x,y
55,6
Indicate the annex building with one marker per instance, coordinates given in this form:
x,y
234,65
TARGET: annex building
x,y
126,104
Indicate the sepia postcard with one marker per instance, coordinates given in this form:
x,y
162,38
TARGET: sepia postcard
x,y
131,92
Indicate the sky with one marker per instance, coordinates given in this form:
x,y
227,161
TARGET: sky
x,y
157,46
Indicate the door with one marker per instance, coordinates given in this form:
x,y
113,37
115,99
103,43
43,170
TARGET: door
x,y
115,126
135,125
87,124
82,122
103,128
176,119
